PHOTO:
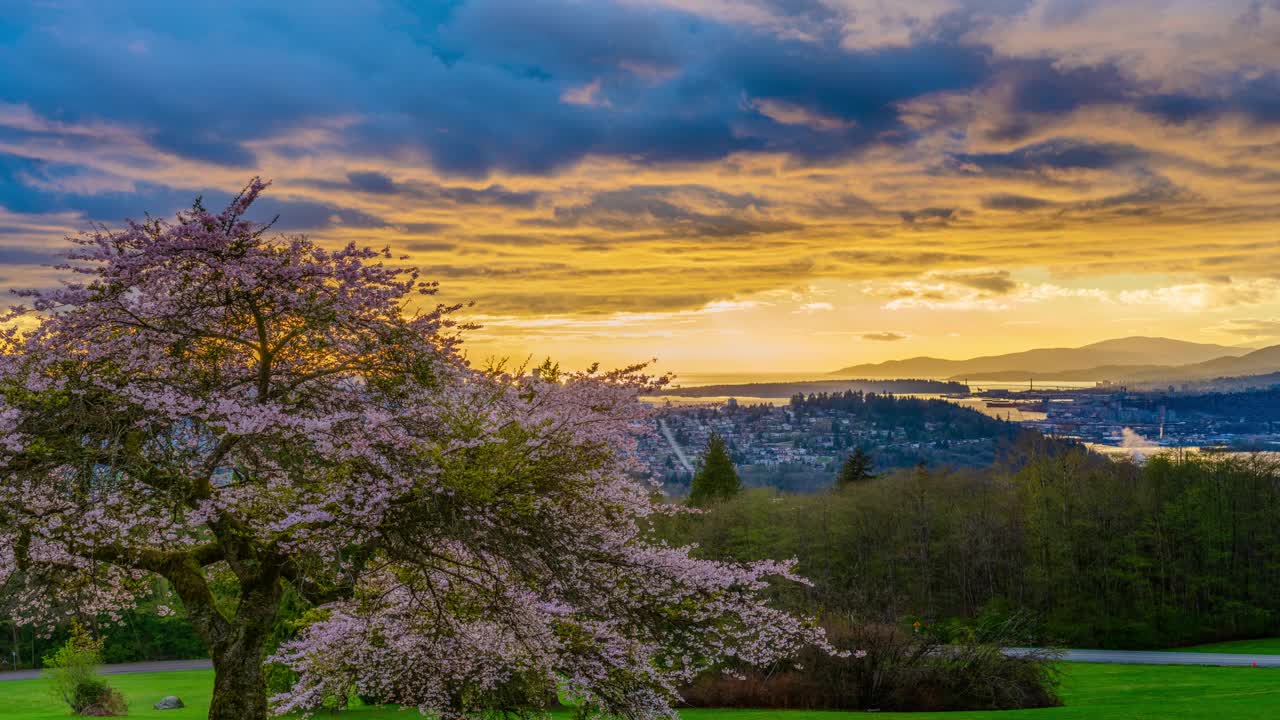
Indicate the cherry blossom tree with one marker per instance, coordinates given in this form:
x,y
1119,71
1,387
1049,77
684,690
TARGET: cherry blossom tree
x,y
211,404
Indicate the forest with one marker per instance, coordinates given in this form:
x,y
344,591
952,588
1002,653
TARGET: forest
x,y
1177,551
917,419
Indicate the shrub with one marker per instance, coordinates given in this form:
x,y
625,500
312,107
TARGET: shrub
x,y
896,668
97,699
73,673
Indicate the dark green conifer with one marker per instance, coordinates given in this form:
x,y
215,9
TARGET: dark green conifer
x,y
857,468
717,479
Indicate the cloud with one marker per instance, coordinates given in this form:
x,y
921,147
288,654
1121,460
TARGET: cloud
x,y
1044,87
1200,296
1169,43
1051,155
442,82
745,147
35,187
995,282
935,215
974,290
883,336
1250,327
914,261
936,295
814,307
681,210
1152,190
786,113
613,324
371,182
821,80
1014,203
588,94
26,256
426,193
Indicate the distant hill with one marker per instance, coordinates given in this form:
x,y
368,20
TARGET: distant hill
x,y
1257,362
1223,384
1102,372
1140,354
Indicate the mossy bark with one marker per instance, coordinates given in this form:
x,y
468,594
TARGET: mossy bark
x,y
239,685
237,640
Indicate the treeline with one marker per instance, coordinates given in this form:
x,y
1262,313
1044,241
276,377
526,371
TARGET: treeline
x,y
1105,554
144,633
787,389
917,418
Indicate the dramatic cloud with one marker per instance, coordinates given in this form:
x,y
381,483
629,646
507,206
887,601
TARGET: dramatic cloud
x,y
639,159
687,210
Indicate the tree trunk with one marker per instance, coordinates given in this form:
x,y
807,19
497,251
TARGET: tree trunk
x,y
236,643
239,684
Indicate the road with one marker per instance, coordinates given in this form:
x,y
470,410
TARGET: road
x,y
122,668
1161,657
1120,657
675,446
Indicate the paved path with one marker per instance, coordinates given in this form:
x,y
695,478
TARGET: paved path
x,y
1121,657
1161,657
141,667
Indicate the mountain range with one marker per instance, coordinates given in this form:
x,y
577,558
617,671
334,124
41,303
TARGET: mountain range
x,y
1130,359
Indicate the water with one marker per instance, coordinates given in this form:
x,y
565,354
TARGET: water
x,y
745,378
979,404
1139,453
691,380
681,401
979,386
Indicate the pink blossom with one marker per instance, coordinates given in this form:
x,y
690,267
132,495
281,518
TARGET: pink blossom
x,y
208,398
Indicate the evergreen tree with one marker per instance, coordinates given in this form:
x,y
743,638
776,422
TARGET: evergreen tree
x,y
856,468
717,479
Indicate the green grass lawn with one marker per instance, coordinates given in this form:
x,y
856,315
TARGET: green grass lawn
x,y
1097,692
30,699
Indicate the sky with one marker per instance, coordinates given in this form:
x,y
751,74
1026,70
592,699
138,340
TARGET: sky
x,y
723,185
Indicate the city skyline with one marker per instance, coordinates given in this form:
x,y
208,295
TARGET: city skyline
x,y
778,185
